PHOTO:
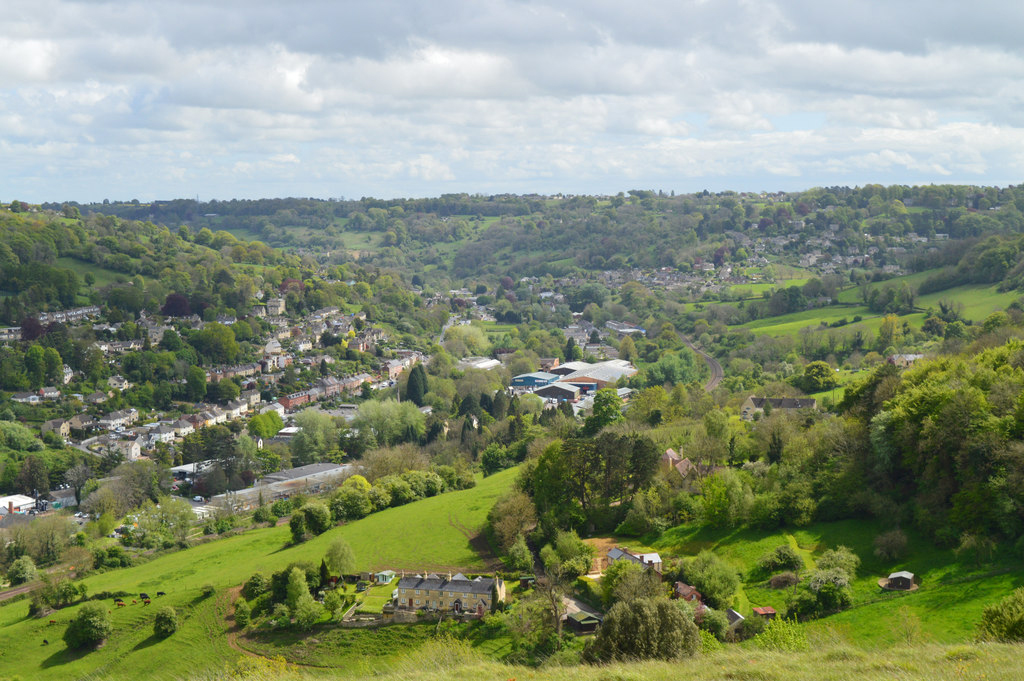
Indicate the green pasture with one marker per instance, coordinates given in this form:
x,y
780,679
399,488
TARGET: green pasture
x,y
80,267
441,532
946,608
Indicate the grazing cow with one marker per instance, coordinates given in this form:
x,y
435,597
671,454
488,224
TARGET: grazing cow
x,y
133,601
145,602
143,596
45,642
160,593
53,621
120,604
118,600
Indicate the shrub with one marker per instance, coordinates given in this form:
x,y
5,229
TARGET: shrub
x,y
89,626
242,613
782,557
714,578
256,585
21,571
782,635
645,628
332,603
307,612
281,507
840,558
783,580
166,622
351,503
281,614
317,517
264,514
1004,621
891,545
714,622
297,524
208,590
519,556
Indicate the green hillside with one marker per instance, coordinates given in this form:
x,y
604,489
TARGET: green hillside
x,y
431,533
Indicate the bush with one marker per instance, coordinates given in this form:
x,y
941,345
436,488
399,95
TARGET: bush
x,y
783,580
782,635
840,558
281,507
714,622
317,517
891,545
21,571
716,580
166,622
1004,621
782,557
264,514
645,628
297,524
256,585
307,612
351,503
281,615
242,613
519,556
89,626
208,590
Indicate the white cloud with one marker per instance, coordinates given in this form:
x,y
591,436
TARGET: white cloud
x,y
152,98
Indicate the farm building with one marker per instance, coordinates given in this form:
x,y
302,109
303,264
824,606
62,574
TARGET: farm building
x,y
583,622
900,581
767,612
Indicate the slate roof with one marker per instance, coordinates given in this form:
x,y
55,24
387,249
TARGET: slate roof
x,y
784,402
458,584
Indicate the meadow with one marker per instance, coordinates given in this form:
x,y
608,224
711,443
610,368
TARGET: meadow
x,y
441,532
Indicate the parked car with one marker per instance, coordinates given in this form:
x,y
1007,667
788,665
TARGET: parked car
x,y
197,498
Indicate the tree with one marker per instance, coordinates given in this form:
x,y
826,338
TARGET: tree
x,y
34,476
1004,621
76,477
646,628
607,410
332,603
297,525
519,556
716,580
351,503
217,343
297,587
165,623
22,570
340,557
90,625
307,612
417,386
317,437
195,384
627,349
818,376
512,517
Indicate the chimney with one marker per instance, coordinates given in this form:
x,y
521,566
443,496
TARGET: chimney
x,y
10,507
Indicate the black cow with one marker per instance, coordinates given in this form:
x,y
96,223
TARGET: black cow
x,y
160,593
144,596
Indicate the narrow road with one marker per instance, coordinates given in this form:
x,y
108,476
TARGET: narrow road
x,y
717,373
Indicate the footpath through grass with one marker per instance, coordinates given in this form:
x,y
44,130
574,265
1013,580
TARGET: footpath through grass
x,y
440,532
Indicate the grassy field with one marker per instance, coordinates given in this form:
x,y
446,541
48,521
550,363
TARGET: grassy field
x,y
80,267
440,532
827,659
946,609
791,324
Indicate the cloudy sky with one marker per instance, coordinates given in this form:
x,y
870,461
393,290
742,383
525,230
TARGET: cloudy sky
x,y
330,98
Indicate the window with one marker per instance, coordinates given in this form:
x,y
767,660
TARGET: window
x,y
417,592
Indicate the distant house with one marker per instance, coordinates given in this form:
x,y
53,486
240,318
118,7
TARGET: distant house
x,y
49,393
582,622
690,474
685,592
900,581
458,594
903,360
118,383
59,426
384,576
756,405
647,560
26,398
82,422
735,619
129,448
483,363
97,397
